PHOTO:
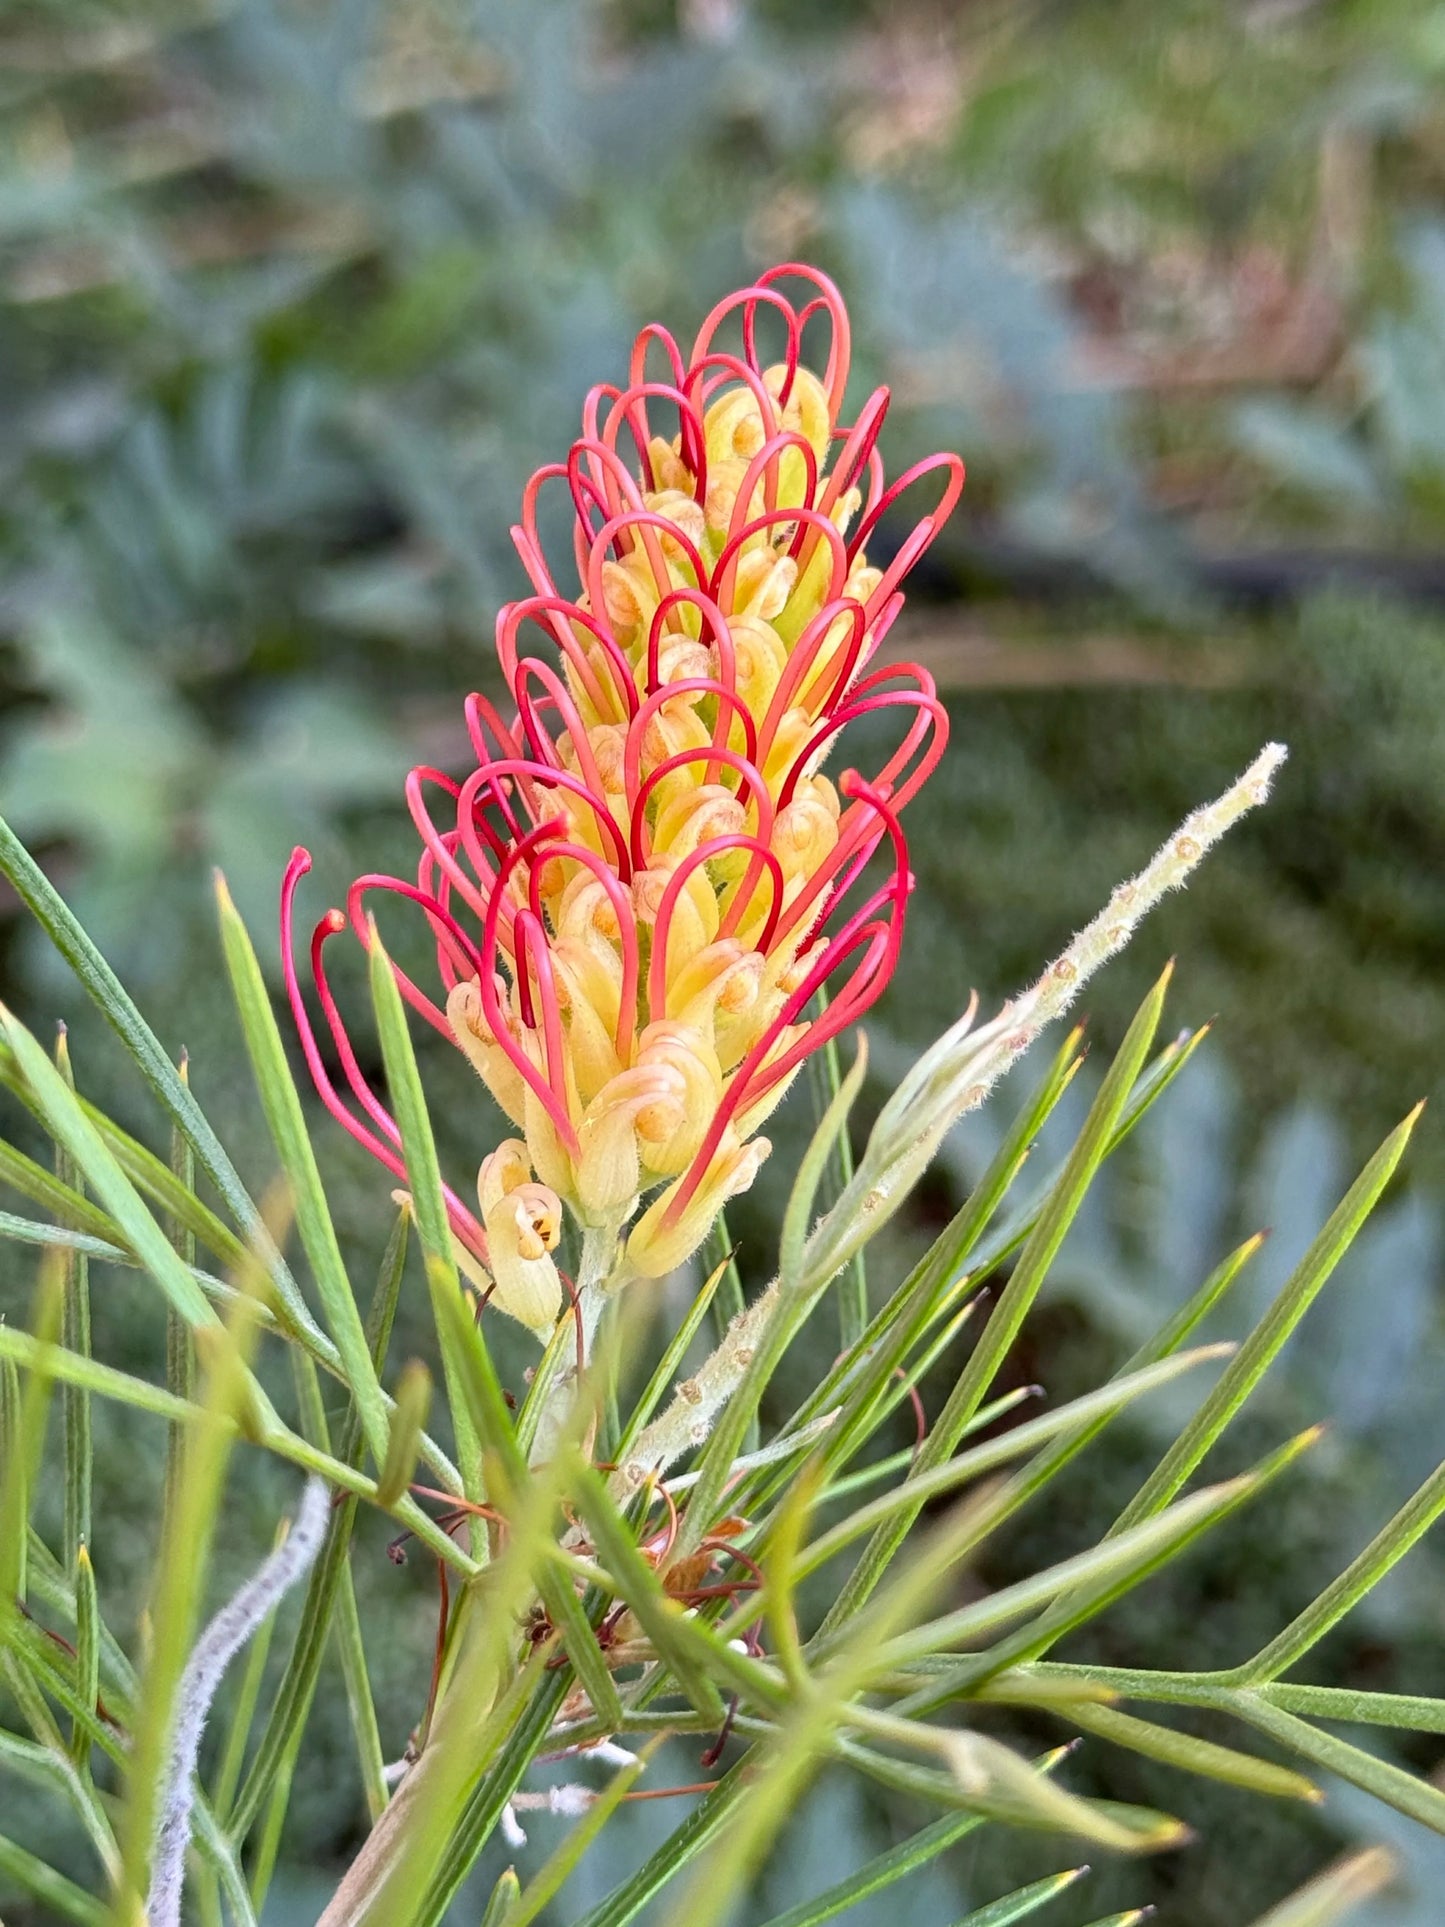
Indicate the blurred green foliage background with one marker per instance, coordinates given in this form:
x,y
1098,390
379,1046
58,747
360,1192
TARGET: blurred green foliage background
x,y
294,295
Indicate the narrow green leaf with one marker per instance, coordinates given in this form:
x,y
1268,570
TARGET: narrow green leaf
x,y
1407,1713
47,1761
557,1363
145,1170
1023,1902
329,1582
996,1781
1029,1642
360,1705
658,1615
379,1318
719,1255
67,1205
704,1825
52,1589
268,1845
1361,1576
26,1416
920,1850
87,1652
780,1453
851,1288
54,1237
1415,1798
104,988
71,1128
61,1898
1175,1331
1402,1711
1336,1892
20,1348
408,1422
996,1452
1100,1575
413,1120
52,1675
15,1492
1008,1314
561,1863
171,1186
1193,1755
217,1853
180,1349
672,1357
474,1392
870,1366
798,1214
1262,1347
579,1633
1031,1686
503,1899
287,1123
780,1563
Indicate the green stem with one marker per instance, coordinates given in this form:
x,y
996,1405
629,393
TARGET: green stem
x,y
600,1271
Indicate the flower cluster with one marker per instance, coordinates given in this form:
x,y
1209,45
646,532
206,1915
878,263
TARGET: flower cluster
x,y
640,891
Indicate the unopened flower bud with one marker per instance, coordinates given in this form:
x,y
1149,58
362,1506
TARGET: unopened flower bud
x,y
503,1170
681,509
671,1127
807,406
491,1063
669,470
764,583
658,1246
696,817
760,657
804,834
733,428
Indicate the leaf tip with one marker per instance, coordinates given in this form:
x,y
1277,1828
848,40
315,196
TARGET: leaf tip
x,y
1169,1837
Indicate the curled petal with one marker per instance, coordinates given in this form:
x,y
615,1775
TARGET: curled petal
x,y
528,1286
383,1141
673,1226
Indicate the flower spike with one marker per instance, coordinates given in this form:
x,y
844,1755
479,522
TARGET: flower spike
x,y
638,892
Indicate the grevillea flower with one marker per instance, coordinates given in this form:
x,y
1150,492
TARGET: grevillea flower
x,y
639,892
